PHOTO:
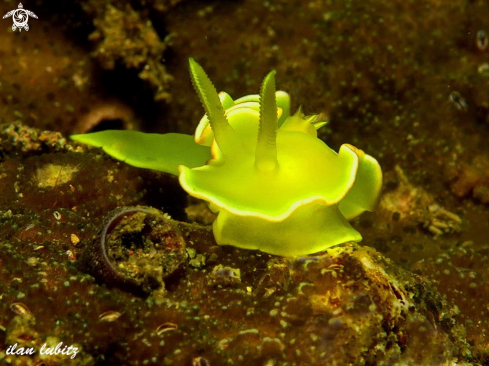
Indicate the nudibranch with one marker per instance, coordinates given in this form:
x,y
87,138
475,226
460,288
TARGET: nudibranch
x,y
275,186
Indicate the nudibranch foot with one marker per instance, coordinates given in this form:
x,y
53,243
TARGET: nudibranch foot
x,y
309,229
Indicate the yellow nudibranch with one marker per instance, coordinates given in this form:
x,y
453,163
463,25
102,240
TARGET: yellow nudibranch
x,y
275,186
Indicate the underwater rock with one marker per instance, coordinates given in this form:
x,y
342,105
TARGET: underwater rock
x,y
471,179
107,115
123,36
218,305
460,273
347,305
412,205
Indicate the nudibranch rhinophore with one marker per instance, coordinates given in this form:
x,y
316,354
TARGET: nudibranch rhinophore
x,y
275,186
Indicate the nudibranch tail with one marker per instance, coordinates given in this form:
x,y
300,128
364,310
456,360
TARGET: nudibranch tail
x,y
266,147
163,152
224,134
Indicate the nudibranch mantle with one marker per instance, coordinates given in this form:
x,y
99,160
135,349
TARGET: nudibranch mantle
x,y
275,186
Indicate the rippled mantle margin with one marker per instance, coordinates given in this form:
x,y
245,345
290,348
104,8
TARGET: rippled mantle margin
x,y
275,186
